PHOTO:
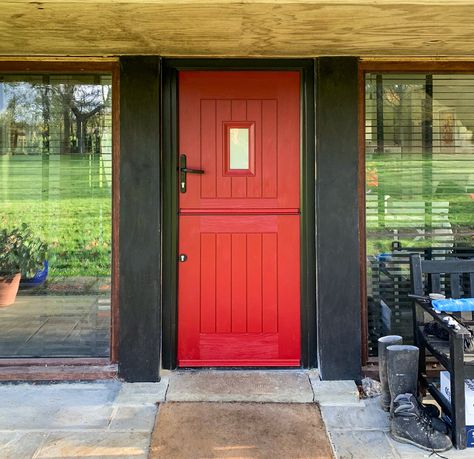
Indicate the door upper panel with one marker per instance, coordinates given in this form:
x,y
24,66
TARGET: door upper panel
x,y
242,129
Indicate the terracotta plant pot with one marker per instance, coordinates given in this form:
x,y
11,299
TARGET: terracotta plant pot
x,y
9,289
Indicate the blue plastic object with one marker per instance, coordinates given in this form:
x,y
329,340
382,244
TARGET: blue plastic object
x,y
38,279
452,305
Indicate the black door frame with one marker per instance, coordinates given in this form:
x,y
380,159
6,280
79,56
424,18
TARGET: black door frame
x,y
169,158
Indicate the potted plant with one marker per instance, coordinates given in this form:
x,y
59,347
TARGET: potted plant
x,y
21,253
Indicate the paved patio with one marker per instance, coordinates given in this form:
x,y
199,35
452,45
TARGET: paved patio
x,y
115,420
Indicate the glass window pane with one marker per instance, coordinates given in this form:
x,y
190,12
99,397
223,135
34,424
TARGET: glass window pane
x,y
239,148
55,177
419,184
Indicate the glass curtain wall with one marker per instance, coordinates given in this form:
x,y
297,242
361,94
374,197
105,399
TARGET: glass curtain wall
x,y
419,185
55,213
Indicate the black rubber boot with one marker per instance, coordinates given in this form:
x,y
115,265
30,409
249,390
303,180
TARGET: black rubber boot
x,y
384,342
402,370
410,425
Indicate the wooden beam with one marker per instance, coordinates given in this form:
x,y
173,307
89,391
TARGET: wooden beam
x,y
140,220
57,373
263,28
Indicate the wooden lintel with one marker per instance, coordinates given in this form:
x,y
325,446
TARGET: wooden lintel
x,y
53,362
57,66
417,65
58,372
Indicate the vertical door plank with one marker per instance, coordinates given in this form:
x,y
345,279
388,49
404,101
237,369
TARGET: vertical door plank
x,y
239,283
254,283
254,114
224,284
224,184
269,150
270,283
208,283
188,297
208,148
288,257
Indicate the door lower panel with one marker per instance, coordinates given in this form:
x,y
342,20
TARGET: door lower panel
x,y
245,297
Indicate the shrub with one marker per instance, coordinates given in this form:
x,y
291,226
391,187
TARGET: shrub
x,y
20,252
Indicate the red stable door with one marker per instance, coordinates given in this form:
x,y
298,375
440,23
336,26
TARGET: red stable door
x,y
239,218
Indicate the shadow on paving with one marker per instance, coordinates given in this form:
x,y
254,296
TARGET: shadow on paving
x,y
243,430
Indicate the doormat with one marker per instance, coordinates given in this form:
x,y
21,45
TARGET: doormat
x,y
239,430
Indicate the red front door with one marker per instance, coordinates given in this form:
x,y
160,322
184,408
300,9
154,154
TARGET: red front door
x,y
239,233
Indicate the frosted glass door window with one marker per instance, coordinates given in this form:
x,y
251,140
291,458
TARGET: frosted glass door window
x,y
239,148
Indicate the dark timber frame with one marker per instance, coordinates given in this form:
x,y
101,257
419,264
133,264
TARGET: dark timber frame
x,y
338,209
170,194
140,219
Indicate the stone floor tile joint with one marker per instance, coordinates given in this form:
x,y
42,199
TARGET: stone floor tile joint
x,y
40,446
112,415
165,397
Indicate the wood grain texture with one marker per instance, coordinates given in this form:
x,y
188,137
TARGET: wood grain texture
x,y
140,220
58,372
240,29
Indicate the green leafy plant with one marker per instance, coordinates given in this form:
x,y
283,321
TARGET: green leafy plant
x,y
20,251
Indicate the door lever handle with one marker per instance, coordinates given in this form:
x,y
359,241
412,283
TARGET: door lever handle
x,y
191,171
183,170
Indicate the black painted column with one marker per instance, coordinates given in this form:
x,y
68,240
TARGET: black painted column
x,y
339,332
140,204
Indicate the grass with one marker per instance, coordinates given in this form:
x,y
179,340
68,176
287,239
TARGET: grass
x,y
419,201
67,201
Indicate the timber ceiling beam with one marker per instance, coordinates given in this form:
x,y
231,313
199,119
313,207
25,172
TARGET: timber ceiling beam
x,y
246,28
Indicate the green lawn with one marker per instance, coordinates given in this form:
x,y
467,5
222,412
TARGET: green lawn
x,y
422,201
66,199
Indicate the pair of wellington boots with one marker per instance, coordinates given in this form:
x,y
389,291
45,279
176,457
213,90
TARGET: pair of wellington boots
x,y
410,420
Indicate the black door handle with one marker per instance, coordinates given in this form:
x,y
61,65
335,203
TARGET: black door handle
x,y
183,170
191,171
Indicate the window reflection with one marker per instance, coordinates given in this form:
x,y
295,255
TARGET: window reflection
x,y
55,176
419,185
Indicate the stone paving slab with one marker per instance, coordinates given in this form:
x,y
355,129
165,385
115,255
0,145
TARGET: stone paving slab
x,y
240,386
142,393
363,417
30,407
133,418
98,419
363,433
15,445
36,395
334,393
358,444
239,430
95,445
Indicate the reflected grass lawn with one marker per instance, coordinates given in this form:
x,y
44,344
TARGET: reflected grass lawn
x,y
67,201
416,200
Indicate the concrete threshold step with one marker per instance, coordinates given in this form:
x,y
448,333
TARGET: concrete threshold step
x,y
278,386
